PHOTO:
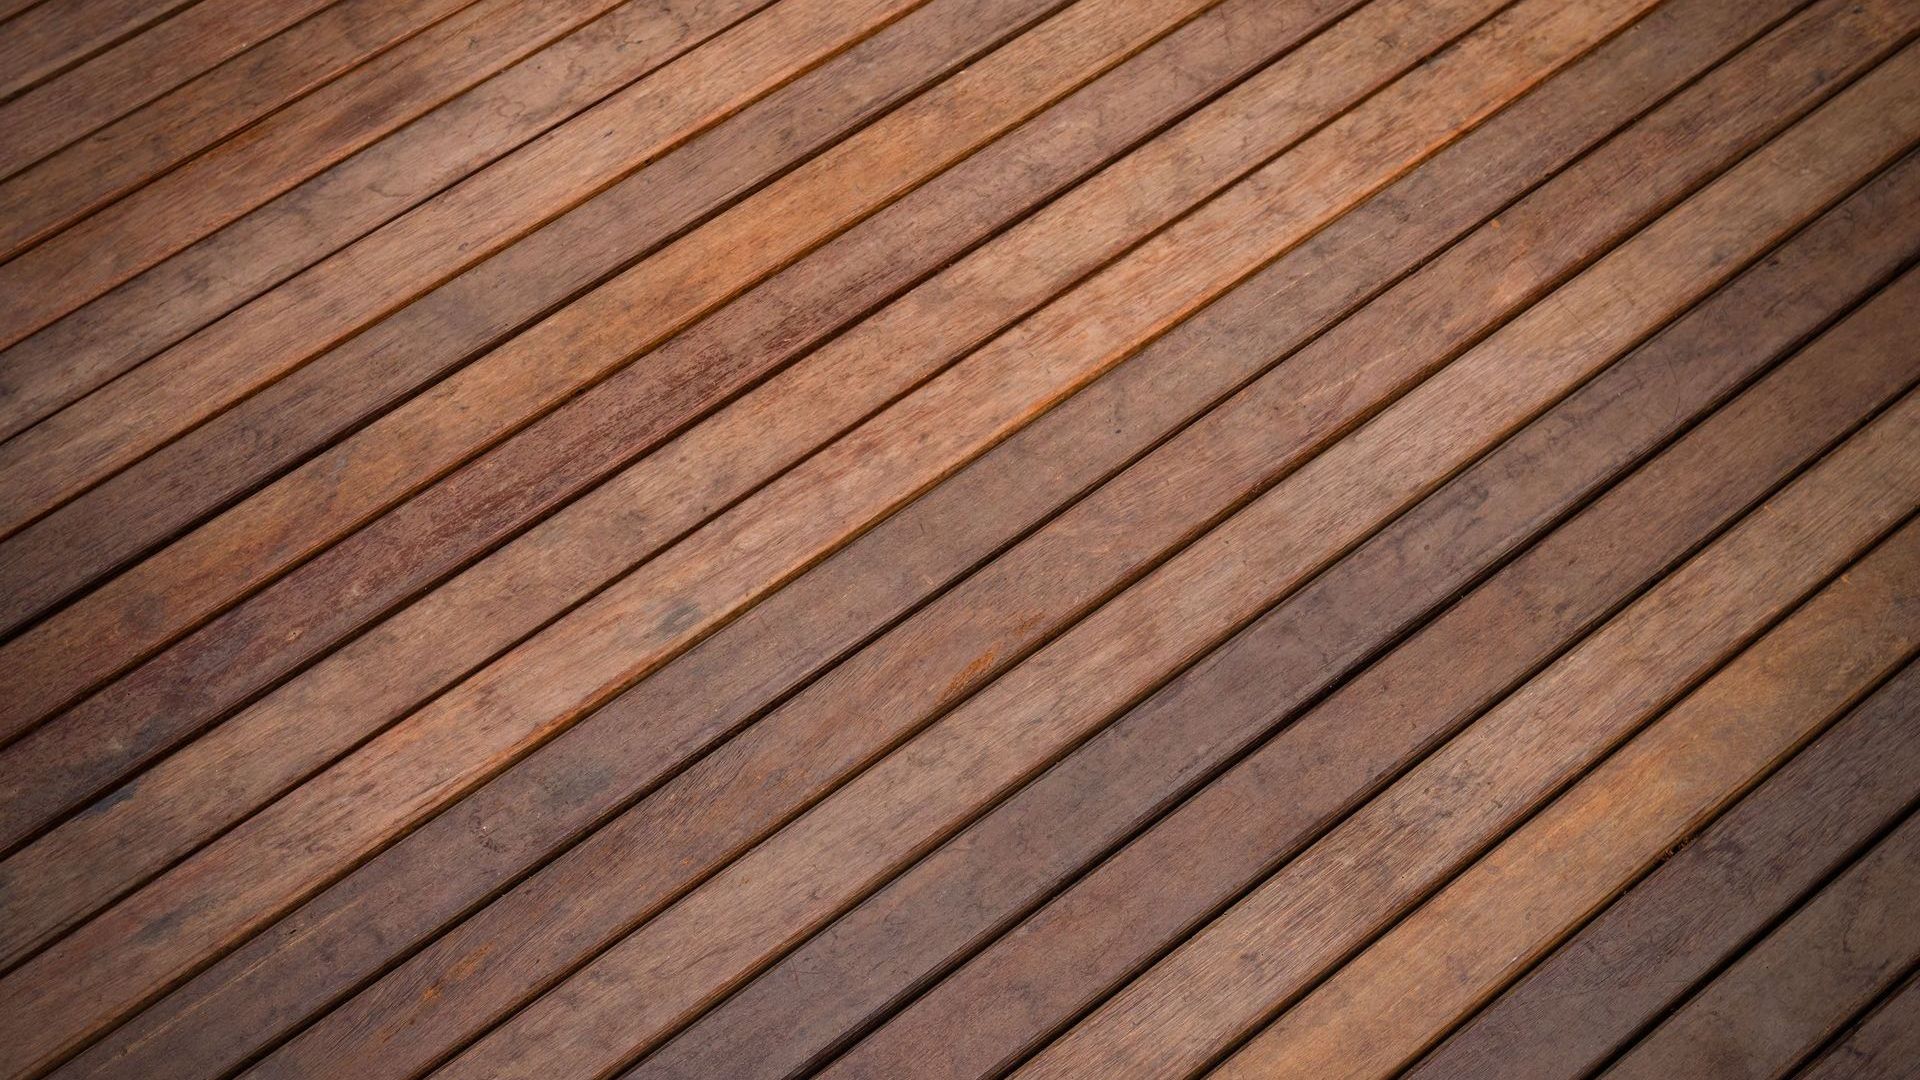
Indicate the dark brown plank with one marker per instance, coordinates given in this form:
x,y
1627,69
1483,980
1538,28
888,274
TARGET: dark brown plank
x,y
1883,1047
195,286
602,646
1570,1015
1275,943
621,750
88,219
1609,828
1805,981
1038,840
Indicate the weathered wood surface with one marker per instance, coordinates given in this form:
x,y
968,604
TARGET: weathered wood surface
x,y
958,538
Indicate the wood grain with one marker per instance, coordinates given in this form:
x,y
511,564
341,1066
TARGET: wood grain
x,y
190,289
40,43
1645,952
1493,919
633,742
593,338
977,404
1199,1000
600,536
1028,846
1883,1047
136,71
1805,981
125,419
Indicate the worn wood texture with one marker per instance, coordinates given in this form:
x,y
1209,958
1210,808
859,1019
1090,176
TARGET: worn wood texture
x,y
779,538
1883,1047
263,248
1494,918
1584,1003
558,458
1113,920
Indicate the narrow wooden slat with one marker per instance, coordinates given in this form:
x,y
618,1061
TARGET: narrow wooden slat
x,y
636,740
786,886
1200,999
279,427
625,632
44,41
1569,1015
86,220
1034,589
135,72
1883,1047
193,287
485,504
108,429
602,332
1032,844
1805,981
1577,853
431,645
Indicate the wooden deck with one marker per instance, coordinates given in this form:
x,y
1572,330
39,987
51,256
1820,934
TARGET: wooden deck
x,y
959,538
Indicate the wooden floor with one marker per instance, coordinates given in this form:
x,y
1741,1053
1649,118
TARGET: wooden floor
x,y
959,538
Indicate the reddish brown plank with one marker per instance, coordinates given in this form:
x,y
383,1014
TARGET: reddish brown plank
x,y
603,331
1032,845
483,505
134,72
604,645
786,886
193,287
89,218
1572,1013
40,42
1220,985
1498,915
122,421
623,748
1806,981
434,644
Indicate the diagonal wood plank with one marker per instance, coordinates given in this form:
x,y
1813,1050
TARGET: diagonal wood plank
x,y
1631,810
1883,1047
190,289
979,402
1028,846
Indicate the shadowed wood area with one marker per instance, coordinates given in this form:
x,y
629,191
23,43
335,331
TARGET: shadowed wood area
x,y
959,538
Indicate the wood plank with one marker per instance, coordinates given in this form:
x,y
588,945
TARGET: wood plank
x,y
262,437
606,644
623,749
1570,1015
37,44
1297,925
1502,912
596,541
136,71
656,978
484,505
1038,840
87,220
602,332
94,437
193,287
756,782
1803,983
1883,1047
